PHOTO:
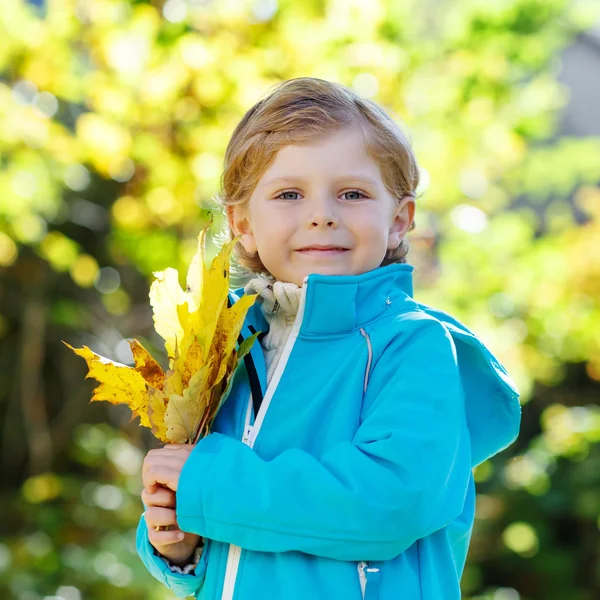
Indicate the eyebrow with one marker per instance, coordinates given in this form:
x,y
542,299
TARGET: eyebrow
x,y
293,179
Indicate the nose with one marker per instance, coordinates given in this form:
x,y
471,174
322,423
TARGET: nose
x,y
323,213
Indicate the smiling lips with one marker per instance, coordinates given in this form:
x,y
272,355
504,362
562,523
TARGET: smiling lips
x,y
320,250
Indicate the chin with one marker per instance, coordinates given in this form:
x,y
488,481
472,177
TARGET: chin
x,y
329,271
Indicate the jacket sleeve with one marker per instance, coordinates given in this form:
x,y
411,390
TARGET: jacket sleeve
x,y
181,585
403,476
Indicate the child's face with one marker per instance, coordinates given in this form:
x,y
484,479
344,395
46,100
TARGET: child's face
x,y
332,194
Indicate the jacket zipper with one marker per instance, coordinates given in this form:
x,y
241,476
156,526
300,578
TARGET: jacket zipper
x,y
363,570
251,431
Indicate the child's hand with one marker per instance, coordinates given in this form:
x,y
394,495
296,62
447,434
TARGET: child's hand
x,y
174,544
160,476
163,466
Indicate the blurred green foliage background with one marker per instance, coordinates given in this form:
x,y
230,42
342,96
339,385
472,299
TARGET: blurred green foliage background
x,y
114,120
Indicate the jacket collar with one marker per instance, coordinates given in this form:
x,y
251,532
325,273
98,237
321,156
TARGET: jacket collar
x,y
338,304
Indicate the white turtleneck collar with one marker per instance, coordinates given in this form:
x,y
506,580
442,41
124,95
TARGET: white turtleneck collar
x,y
279,302
277,297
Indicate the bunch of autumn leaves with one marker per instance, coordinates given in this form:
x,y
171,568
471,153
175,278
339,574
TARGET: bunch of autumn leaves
x,y
200,334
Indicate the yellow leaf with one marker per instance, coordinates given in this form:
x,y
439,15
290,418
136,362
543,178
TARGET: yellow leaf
x,y
165,296
119,384
229,326
146,366
183,413
192,347
157,405
195,274
212,292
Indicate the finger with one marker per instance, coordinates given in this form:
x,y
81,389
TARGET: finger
x,y
166,455
160,454
183,450
165,538
169,459
160,516
166,448
161,497
158,474
179,446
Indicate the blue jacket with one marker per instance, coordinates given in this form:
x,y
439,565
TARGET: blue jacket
x,y
355,479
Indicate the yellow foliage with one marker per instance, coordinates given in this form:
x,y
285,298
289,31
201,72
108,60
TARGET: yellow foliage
x,y
200,335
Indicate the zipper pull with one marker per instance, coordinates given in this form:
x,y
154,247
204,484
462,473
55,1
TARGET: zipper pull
x,y
370,575
362,577
247,435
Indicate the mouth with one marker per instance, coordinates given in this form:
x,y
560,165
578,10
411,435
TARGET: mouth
x,y
322,250
317,252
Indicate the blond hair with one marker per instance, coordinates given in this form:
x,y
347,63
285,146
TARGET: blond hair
x,y
299,110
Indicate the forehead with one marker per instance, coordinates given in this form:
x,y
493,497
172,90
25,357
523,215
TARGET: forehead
x,y
337,155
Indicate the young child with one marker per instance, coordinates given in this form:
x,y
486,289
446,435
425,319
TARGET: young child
x,y
340,466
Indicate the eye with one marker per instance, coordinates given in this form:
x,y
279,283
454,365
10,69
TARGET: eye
x,y
284,193
354,192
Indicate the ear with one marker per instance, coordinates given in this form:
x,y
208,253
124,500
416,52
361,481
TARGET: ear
x,y
402,217
240,225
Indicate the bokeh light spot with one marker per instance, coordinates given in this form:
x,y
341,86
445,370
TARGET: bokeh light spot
x,y
84,270
107,280
469,218
42,488
77,177
8,250
521,538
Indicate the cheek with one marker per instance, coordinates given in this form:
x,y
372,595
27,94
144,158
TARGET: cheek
x,y
274,222
368,225
272,230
